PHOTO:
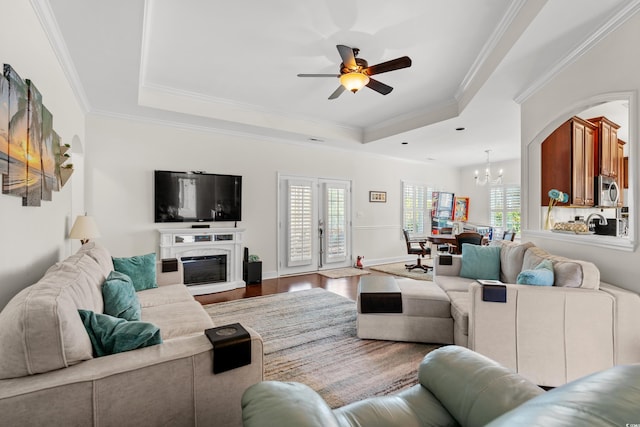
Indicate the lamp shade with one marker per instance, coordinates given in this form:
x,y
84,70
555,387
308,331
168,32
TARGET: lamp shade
x,y
84,228
354,81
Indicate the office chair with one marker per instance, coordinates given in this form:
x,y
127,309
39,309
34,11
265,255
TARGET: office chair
x,y
421,251
509,235
467,237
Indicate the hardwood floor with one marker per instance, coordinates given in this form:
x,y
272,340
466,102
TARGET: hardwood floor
x,y
345,286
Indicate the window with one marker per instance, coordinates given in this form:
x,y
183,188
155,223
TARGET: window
x,y
300,218
505,208
416,207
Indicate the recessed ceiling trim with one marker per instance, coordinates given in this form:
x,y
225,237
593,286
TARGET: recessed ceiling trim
x,y
618,18
47,19
214,129
411,121
171,99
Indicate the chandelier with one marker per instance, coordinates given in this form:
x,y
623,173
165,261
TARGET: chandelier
x,y
486,179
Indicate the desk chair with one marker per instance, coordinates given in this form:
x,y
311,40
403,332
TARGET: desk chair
x,y
467,237
509,235
421,251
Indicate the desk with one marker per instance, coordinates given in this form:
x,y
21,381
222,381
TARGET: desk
x,y
440,239
450,239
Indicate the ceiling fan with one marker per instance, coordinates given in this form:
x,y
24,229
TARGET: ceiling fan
x,y
355,72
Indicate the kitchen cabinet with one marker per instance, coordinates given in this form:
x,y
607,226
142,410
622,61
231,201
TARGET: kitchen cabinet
x,y
606,142
568,162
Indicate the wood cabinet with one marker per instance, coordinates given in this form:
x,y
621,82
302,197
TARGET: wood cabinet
x,y
606,140
568,162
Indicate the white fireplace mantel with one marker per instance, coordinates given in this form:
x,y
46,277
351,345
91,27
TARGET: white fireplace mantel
x,y
188,242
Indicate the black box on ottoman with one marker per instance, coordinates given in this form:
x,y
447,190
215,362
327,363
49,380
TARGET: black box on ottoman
x,y
379,294
231,347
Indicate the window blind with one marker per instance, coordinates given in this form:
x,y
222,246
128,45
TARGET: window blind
x,y
504,201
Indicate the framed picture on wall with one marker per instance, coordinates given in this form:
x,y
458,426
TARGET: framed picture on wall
x,y
461,209
378,196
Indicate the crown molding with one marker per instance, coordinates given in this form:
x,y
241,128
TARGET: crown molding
x,y
489,46
186,102
52,30
618,18
240,134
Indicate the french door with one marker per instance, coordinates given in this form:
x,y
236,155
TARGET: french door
x,y
314,224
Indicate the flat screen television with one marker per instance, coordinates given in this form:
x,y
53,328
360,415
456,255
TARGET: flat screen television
x,y
197,197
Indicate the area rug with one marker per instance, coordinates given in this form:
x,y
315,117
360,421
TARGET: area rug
x,y
398,269
310,337
337,273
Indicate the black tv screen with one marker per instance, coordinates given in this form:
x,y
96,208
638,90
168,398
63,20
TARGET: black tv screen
x,y
197,197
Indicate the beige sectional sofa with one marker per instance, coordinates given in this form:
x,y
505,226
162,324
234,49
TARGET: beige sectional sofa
x,y
49,376
549,334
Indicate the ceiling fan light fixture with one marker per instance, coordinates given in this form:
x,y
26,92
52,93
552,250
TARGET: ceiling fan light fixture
x,y
354,81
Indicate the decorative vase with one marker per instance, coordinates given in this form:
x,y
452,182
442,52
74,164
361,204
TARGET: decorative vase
x,y
549,222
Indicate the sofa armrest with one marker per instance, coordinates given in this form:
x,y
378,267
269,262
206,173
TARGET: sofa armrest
x,y
551,335
447,270
275,403
175,379
170,277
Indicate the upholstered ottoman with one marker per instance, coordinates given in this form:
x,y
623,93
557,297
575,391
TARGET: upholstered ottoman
x,y
425,314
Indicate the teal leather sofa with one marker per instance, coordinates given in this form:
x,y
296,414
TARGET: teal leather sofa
x,y
458,387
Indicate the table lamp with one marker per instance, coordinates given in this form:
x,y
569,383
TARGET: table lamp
x,y
84,228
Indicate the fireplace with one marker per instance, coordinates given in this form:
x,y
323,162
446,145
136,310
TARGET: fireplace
x,y
209,259
198,270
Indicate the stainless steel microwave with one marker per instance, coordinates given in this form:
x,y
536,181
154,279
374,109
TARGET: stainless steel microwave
x,y
607,192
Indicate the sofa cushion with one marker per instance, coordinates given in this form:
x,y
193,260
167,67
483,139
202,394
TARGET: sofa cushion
x,y
542,275
40,330
100,255
460,310
423,299
110,335
480,262
167,294
179,319
120,299
141,269
511,259
567,272
453,283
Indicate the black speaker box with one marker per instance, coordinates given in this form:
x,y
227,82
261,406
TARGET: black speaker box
x,y
169,265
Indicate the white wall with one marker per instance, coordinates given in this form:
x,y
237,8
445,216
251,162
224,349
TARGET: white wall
x,y
124,154
479,212
609,67
34,238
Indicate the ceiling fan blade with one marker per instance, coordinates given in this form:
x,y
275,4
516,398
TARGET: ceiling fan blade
x,y
348,58
318,75
383,67
337,92
379,87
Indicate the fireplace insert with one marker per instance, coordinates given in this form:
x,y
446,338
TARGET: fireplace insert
x,y
204,269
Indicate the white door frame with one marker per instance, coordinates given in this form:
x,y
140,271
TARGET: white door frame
x,y
318,259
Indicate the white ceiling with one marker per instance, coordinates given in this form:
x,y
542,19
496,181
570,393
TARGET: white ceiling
x,y
233,66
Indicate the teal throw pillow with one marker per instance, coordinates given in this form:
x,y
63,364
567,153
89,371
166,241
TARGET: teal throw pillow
x,y
141,269
110,335
541,275
119,296
480,262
